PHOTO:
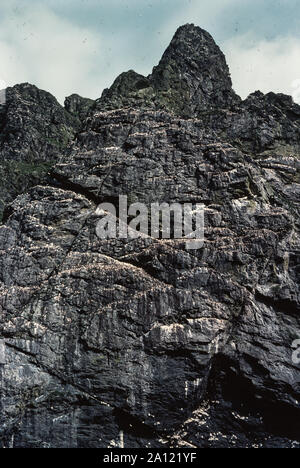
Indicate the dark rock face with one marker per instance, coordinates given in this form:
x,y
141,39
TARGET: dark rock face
x,y
34,131
78,106
140,342
193,69
262,124
191,77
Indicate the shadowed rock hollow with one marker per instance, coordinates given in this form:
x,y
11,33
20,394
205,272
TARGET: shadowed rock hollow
x,y
142,342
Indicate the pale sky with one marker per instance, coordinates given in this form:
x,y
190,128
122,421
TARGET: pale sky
x,y
81,46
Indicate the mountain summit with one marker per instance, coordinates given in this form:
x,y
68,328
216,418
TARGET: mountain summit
x,y
194,66
192,76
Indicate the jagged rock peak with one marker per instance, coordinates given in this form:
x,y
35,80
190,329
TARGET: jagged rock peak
x,y
191,77
35,130
194,58
78,106
29,92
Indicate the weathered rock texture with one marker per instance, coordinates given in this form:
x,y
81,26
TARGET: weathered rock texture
x,y
191,77
142,342
35,130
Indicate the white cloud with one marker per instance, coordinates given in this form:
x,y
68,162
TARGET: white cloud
x,y
39,47
265,65
296,90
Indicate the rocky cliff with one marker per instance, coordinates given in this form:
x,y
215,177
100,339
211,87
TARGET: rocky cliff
x,y
35,130
140,342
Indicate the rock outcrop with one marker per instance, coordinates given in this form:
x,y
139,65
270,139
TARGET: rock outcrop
x,y
34,131
78,106
140,342
191,77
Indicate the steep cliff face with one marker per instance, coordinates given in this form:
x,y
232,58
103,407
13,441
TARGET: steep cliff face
x,y
34,131
141,342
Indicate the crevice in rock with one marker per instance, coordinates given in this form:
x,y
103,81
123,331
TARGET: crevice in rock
x,y
282,306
